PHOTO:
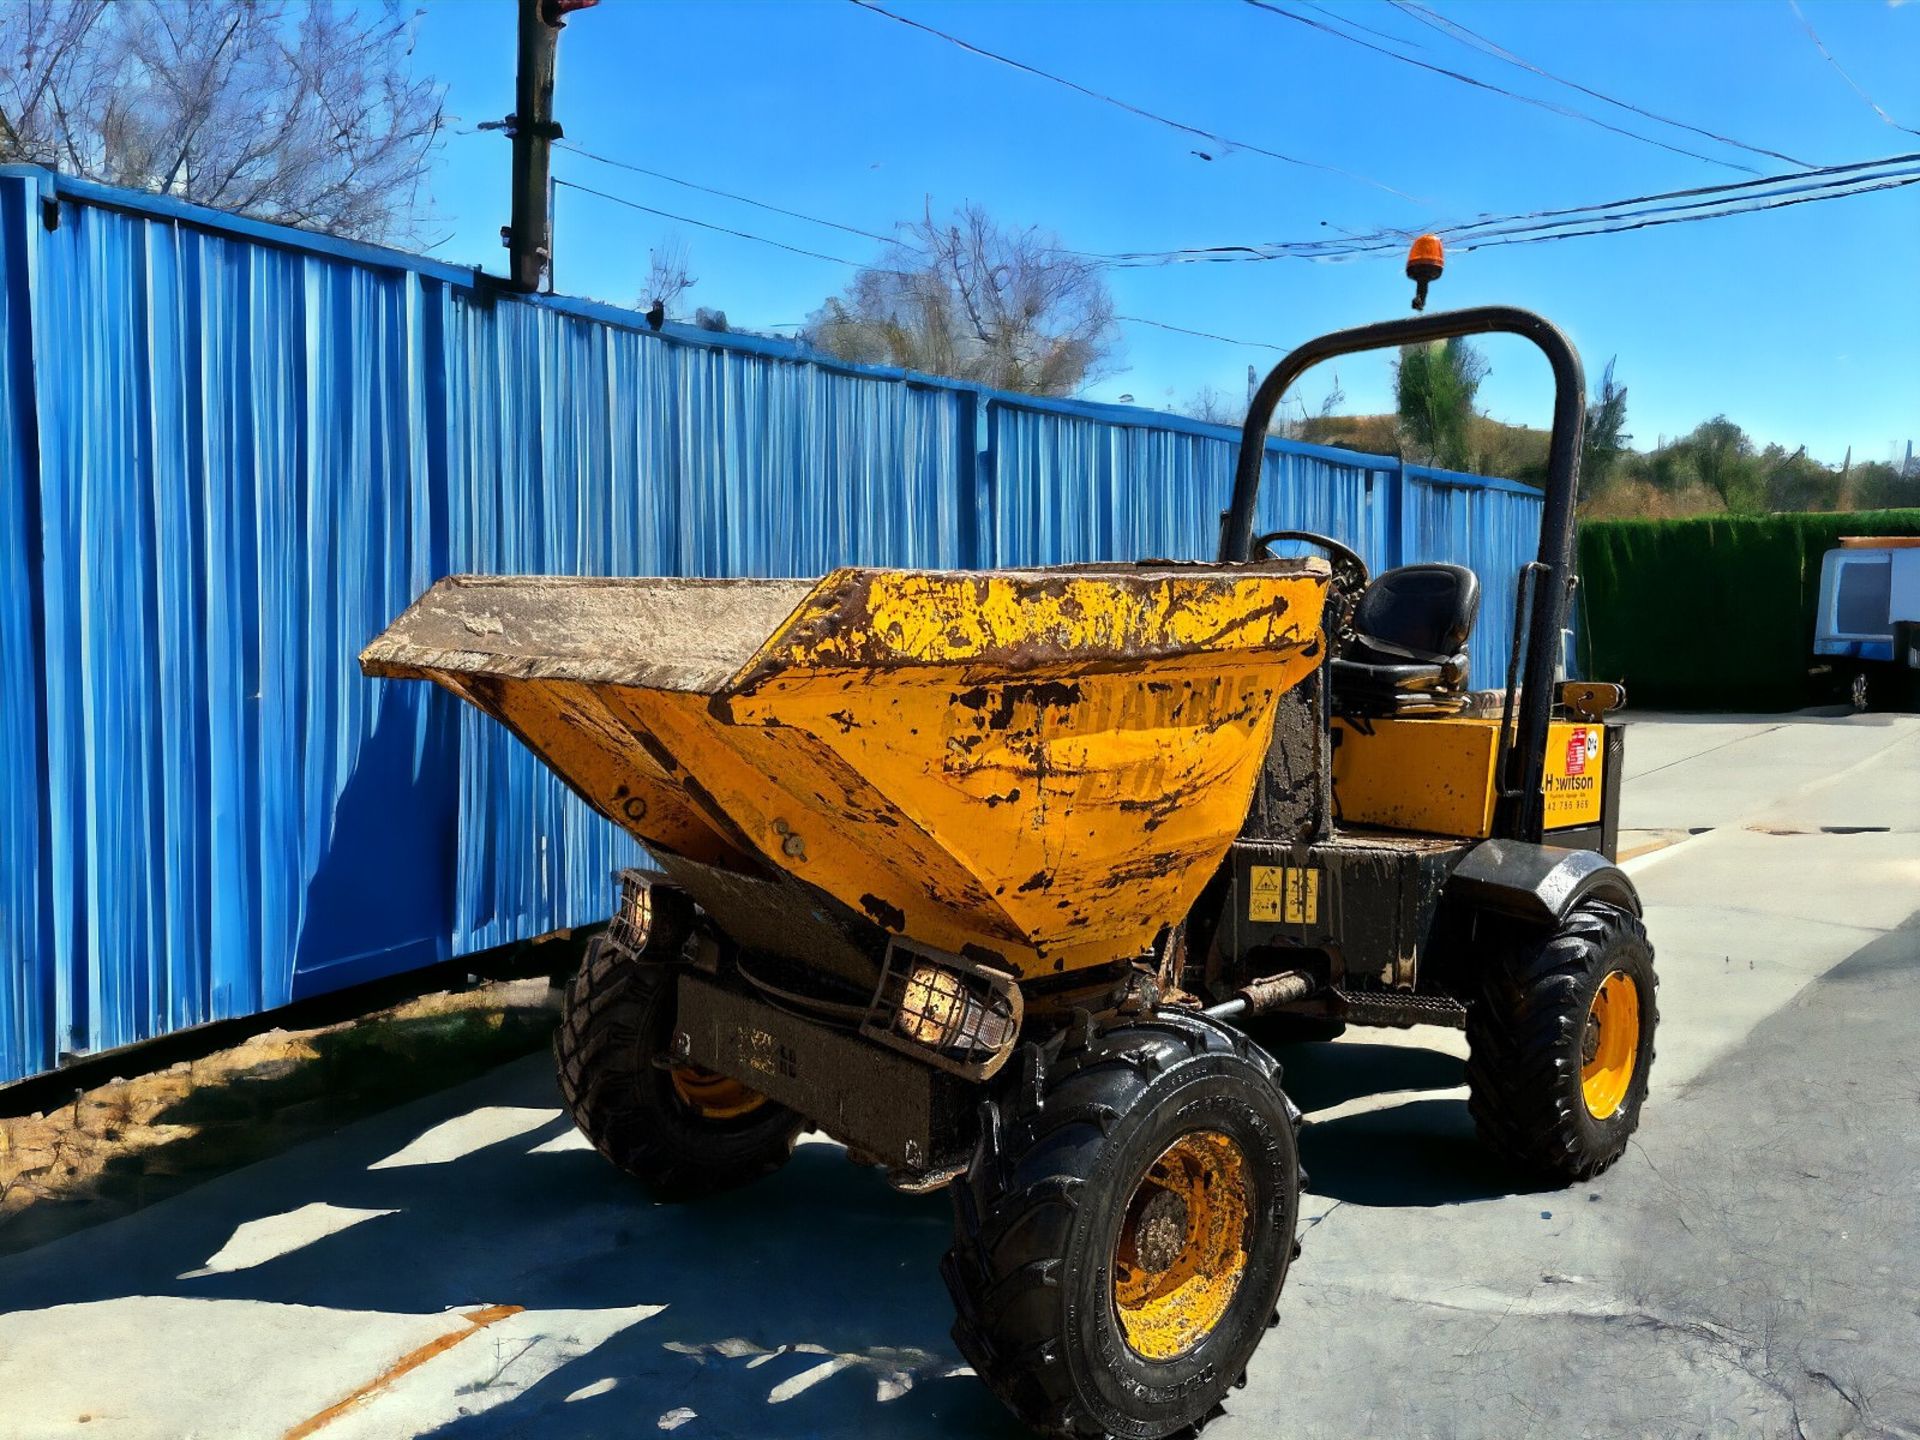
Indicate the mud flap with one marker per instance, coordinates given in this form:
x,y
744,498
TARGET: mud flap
x,y
1538,883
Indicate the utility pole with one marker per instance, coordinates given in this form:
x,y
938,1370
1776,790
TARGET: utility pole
x,y
532,127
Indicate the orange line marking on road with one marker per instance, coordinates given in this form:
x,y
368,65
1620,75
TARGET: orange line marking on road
x,y
477,1320
1639,850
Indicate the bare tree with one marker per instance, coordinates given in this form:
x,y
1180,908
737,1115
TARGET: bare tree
x,y
306,116
669,274
1312,426
1210,405
975,300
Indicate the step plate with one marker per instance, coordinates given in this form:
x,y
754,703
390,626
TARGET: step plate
x,y
1399,1008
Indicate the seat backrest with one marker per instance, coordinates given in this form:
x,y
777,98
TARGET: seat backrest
x,y
1429,609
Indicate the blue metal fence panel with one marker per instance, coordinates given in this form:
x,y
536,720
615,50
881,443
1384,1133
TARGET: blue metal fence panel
x,y
232,453
25,975
1068,487
228,488
1076,482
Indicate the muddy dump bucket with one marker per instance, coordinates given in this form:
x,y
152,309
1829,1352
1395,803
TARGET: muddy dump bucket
x,y
1034,768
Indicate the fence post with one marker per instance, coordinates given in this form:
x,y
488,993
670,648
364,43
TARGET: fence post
x,y
979,465
1396,526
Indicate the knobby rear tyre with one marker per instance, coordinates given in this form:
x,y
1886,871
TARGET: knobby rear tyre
x,y
616,1023
1525,1033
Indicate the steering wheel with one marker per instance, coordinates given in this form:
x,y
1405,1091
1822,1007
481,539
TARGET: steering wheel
x,y
1349,579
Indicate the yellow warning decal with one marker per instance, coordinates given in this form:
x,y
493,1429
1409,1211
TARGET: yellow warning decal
x,y
1284,893
1576,760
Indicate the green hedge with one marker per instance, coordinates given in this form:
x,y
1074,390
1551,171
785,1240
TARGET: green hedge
x,y
1714,613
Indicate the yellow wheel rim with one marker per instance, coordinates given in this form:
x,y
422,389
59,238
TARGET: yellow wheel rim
x,y
1610,1046
1183,1246
712,1096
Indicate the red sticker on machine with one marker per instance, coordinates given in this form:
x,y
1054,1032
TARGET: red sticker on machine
x,y
1577,753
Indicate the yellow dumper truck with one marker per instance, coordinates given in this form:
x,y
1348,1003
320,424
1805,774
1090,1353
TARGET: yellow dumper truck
x,y
986,875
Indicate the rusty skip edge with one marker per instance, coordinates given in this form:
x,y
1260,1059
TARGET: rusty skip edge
x,y
702,635
840,626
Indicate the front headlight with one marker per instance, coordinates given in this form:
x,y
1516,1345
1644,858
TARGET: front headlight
x,y
948,1011
633,917
940,1009
652,914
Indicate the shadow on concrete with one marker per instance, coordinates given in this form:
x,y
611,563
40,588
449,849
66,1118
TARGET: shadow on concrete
x,y
1419,1153
1320,1076
821,1262
808,1305
1414,1149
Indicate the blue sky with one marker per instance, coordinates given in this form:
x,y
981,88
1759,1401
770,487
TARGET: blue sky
x,y
1801,324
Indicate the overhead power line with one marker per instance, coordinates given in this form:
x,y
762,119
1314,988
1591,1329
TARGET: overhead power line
x,y
1730,193
1353,24
1776,204
726,194
1700,202
705,224
1472,38
858,265
1213,137
1820,45
1728,187
1607,223
1713,208
1202,334
1730,198
1466,79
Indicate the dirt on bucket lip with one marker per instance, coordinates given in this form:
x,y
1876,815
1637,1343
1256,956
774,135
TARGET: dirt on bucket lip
x,y
131,1142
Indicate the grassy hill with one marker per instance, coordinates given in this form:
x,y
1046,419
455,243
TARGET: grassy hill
x,y
1516,452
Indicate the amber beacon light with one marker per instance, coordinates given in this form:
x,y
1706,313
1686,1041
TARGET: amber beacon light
x,y
1425,260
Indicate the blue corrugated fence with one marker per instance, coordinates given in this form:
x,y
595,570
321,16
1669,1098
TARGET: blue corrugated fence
x,y
231,453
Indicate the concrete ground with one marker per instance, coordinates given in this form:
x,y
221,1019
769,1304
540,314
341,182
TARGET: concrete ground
x,y
464,1267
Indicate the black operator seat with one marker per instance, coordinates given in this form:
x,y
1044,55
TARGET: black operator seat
x,y
1408,655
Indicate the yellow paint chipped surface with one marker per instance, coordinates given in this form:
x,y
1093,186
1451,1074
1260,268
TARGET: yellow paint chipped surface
x,y
1437,774
1046,765
1433,774
941,618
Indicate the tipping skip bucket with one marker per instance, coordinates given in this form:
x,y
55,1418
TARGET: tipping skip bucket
x,y
1035,768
